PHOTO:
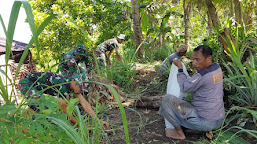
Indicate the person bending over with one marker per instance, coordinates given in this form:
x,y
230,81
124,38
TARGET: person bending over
x,y
108,46
31,85
69,62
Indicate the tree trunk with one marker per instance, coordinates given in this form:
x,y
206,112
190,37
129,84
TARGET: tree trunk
x,y
145,102
256,10
199,5
175,2
231,8
213,14
248,20
238,11
187,12
137,27
247,17
210,24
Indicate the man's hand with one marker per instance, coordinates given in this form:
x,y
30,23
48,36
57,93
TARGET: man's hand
x,y
177,62
75,87
105,125
93,72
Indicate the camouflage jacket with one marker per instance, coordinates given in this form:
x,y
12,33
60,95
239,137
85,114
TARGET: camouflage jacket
x,y
69,64
35,82
41,80
108,45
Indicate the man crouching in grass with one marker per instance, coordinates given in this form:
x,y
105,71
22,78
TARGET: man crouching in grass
x,y
206,111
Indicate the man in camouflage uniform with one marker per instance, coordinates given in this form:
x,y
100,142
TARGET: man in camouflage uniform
x,y
109,46
68,65
34,85
41,80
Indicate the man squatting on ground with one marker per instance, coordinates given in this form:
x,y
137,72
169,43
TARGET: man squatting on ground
x,y
206,111
69,62
108,46
31,84
180,51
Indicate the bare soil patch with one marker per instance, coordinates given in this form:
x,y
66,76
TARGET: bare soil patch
x,y
145,125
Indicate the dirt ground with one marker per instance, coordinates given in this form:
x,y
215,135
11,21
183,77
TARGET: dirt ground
x,y
145,125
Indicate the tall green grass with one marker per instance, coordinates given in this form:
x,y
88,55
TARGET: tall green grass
x,y
232,134
242,75
9,32
114,92
8,108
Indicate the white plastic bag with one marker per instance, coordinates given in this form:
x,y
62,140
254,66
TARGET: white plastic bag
x,y
173,86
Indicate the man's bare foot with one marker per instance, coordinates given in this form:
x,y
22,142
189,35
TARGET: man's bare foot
x,y
175,133
180,132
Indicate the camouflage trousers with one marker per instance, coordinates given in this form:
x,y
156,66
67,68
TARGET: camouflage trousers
x,y
27,90
35,84
101,59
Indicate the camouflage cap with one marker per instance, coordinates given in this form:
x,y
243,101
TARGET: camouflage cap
x,y
81,50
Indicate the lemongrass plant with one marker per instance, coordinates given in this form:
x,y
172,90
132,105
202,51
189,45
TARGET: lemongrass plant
x,y
232,134
242,76
229,136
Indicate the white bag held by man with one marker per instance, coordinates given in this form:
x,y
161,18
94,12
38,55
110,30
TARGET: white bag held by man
x,y
173,86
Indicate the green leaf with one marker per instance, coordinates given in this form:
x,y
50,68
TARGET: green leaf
x,y
45,122
73,134
9,38
71,104
46,138
3,25
39,128
165,19
8,108
122,111
32,128
11,28
26,140
85,33
145,21
39,30
217,1
30,21
47,111
26,124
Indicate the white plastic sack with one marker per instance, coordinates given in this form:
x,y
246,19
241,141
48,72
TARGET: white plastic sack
x,y
173,86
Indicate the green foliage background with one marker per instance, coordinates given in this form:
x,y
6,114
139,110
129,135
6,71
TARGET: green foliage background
x,y
162,27
100,19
